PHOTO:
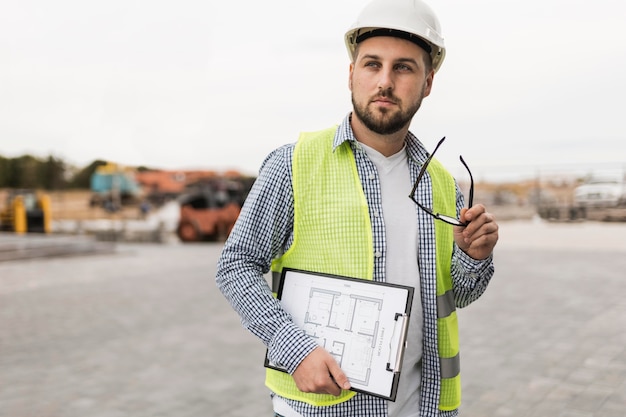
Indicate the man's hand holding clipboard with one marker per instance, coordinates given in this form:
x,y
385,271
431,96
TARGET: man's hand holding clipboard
x,y
320,373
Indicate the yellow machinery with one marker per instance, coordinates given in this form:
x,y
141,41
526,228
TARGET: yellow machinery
x,y
26,212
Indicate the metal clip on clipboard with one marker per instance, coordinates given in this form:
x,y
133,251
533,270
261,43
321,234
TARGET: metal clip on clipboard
x,y
399,340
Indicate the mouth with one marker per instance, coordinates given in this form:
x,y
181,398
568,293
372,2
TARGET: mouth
x,y
383,101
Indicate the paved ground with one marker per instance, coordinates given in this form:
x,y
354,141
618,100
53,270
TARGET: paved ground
x,y
26,246
144,332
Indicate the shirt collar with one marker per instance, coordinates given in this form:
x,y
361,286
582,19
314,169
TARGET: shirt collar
x,y
344,133
415,149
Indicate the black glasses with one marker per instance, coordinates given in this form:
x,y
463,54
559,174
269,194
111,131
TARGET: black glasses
x,y
444,218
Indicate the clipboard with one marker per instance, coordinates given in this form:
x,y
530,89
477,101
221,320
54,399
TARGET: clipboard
x,y
363,324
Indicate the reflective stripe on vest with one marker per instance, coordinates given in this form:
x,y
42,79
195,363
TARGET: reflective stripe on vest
x,y
332,234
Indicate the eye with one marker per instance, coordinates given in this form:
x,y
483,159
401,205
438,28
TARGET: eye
x,y
372,64
403,67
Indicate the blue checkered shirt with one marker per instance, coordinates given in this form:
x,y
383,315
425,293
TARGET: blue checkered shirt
x,y
264,231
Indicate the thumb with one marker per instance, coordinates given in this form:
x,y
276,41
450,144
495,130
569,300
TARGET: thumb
x,y
338,375
463,211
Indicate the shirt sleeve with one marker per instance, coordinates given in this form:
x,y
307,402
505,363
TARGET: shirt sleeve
x,y
470,276
263,230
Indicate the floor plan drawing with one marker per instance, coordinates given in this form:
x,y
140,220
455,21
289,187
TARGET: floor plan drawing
x,y
347,326
361,323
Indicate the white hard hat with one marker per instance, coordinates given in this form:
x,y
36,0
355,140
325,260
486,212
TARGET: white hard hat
x,y
409,19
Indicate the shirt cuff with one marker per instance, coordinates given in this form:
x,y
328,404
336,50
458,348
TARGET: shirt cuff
x,y
290,346
466,266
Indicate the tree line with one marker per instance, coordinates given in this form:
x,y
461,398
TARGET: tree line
x,y
49,173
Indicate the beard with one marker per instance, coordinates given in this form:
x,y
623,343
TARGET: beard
x,y
384,121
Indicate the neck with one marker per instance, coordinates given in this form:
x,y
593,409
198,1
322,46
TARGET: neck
x,y
385,144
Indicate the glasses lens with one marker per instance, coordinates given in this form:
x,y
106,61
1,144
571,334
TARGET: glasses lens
x,y
450,220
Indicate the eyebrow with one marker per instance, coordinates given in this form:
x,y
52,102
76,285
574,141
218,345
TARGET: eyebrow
x,y
399,60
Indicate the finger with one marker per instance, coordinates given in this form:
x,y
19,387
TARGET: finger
x,y
317,373
339,377
483,226
325,384
482,244
318,383
473,213
477,219
332,388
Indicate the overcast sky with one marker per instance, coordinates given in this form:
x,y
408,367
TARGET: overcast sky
x,y
527,86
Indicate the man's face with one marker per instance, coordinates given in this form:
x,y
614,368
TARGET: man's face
x,y
388,80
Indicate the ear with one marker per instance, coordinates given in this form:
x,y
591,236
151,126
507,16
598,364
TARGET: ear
x,y
428,83
350,76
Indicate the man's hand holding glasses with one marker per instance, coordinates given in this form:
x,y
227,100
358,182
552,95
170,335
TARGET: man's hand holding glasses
x,y
475,231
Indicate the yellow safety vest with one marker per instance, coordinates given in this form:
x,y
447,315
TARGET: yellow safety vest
x,y
332,234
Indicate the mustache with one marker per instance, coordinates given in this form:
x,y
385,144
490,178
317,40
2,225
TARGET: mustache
x,y
388,94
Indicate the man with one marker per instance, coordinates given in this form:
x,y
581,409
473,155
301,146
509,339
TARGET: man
x,y
336,202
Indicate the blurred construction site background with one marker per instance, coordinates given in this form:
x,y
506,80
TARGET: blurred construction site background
x,y
116,202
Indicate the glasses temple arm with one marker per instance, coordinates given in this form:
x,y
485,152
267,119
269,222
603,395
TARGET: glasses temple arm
x,y
471,190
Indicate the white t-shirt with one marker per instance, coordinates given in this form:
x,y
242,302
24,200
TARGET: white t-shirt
x,y
401,267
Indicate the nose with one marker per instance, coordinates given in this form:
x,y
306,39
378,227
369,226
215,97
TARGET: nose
x,y
385,80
